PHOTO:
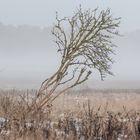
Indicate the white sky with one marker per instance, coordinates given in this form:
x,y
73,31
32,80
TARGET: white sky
x,y
42,12
19,67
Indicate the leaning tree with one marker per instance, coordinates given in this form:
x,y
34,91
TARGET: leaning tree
x,y
85,43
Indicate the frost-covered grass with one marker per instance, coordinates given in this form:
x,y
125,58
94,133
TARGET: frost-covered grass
x,y
80,115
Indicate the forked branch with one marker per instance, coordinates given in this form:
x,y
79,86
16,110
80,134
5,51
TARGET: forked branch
x,y
85,43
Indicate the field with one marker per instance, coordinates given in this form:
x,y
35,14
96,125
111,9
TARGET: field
x,y
76,115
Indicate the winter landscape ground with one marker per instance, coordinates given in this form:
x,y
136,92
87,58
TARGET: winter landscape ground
x,y
77,115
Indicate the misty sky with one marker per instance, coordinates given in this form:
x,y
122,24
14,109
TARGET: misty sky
x,y
27,52
42,12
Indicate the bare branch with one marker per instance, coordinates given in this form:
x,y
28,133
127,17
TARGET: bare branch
x,y
84,46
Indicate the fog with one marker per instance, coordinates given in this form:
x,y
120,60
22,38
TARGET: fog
x,y
42,12
28,55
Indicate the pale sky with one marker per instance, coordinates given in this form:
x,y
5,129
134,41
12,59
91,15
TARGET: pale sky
x,y
28,56
42,12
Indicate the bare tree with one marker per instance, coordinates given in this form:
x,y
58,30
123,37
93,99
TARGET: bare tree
x,y
85,43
